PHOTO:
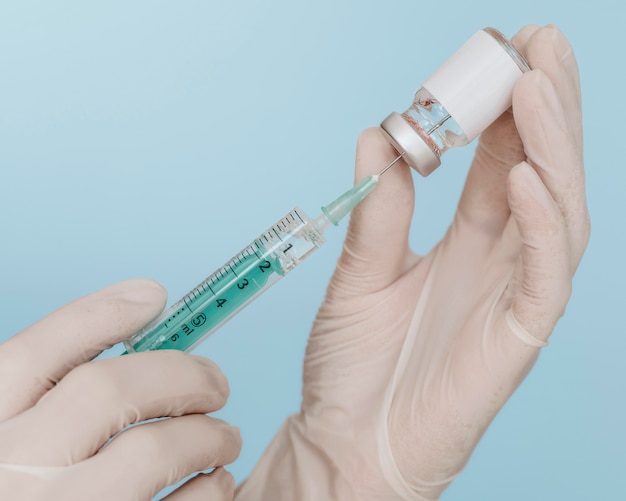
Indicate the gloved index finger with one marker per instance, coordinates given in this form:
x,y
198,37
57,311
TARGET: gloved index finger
x,y
37,358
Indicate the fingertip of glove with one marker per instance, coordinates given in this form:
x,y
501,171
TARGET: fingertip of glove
x,y
524,183
370,135
373,151
521,38
141,291
546,40
531,80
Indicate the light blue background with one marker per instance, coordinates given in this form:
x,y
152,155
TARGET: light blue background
x,y
157,138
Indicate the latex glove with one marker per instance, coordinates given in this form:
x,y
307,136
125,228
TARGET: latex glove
x,y
411,357
58,410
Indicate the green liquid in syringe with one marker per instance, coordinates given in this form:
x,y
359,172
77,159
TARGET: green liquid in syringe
x,y
242,281
231,287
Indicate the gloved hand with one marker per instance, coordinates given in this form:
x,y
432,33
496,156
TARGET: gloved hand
x,y
411,356
58,411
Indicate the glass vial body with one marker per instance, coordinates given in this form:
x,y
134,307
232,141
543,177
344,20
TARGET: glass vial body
x,y
458,101
430,119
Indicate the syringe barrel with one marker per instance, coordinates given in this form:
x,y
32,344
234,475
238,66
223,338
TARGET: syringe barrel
x,y
458,101
233,286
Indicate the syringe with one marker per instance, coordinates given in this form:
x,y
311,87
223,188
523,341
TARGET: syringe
x,y
454,105
247,275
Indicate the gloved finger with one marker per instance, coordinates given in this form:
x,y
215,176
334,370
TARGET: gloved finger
x,y
98,399
549,138
521,38
147,458
376,248
549,51
219,485
540,299
37,358
483,203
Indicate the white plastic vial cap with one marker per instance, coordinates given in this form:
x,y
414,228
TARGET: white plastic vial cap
x,y
476,84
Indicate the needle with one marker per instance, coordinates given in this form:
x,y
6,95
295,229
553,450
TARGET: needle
x,y
389,165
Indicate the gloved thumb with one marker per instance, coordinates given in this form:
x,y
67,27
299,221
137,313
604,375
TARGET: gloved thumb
x,y
376,250
545,262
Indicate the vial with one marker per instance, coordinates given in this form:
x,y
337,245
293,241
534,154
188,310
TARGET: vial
x,y
458,101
